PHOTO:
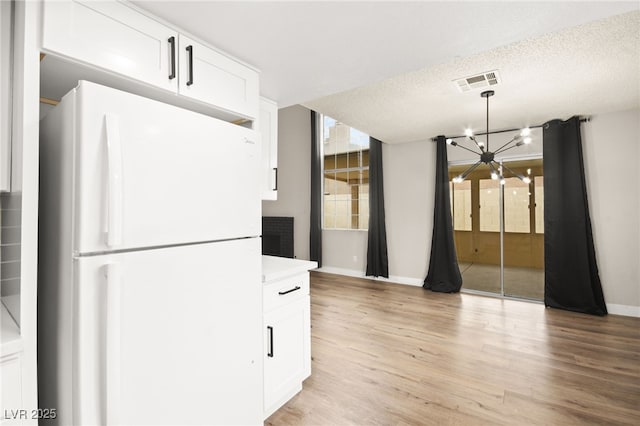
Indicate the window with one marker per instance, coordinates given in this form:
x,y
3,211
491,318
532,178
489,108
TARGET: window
x,y
461,205
516,206
489,205
346,176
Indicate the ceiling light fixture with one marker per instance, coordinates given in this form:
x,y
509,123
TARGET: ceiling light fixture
x,y
488,157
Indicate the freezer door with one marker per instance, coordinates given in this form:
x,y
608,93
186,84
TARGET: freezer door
x,y
152,174
169,336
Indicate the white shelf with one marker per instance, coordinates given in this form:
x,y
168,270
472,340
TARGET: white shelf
x,y
10,339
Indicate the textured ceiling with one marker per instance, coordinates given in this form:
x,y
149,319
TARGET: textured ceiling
x,y
589,69
386,67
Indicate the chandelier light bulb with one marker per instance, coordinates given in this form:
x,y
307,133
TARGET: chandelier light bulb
x,y
457,179
526,180
481,144
468,132
494,176
503,181
527,140
525,132
449,141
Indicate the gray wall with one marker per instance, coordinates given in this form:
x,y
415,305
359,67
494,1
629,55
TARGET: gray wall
x,y
611,153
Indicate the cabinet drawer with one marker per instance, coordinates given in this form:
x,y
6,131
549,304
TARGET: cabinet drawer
x,y
279,293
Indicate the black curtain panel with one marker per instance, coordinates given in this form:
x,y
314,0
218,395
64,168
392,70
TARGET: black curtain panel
x,y
315,231
571,274
377,262
444,274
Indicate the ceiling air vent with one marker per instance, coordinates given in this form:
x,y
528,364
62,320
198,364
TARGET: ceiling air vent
x,y
478,81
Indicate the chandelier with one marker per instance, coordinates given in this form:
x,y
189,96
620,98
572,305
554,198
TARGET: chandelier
x,y
487,156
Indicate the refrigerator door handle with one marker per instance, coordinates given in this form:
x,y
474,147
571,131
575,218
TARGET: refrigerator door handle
x,y
115,184
112,346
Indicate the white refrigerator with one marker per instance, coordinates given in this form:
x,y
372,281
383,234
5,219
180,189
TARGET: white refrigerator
x,y
150,296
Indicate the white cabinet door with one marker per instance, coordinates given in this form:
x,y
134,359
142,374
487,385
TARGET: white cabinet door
x,y
287,360
268,127
213,78
112,36
169,336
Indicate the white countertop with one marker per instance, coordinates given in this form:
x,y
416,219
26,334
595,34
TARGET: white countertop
x,y
274,268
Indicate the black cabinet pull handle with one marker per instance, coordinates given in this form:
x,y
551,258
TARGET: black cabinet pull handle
x,y
172,44
190,54
275,169
282,293
270,353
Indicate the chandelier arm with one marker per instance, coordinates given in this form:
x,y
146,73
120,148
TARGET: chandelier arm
x,y
519,176
511,141
493,168
470,150
506,149
476,142
519,143
464,174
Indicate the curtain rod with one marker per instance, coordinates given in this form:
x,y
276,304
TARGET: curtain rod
x,y
582,120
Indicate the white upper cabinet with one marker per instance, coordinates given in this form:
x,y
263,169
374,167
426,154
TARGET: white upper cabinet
x,y
211,77
112,36
117,37
268,126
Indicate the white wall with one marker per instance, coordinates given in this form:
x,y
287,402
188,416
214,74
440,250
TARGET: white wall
x,y
611,149
294,175
611,153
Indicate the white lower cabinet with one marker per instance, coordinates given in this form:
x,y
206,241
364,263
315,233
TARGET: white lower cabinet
x,y
287,362
287,339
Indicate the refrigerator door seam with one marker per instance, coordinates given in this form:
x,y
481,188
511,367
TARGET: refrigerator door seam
x,y
135,249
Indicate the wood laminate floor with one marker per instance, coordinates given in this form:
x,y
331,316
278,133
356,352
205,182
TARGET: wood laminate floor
x,y
388,354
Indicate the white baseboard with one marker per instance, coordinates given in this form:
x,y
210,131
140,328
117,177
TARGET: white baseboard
x,y
614,309
359,274
625,310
